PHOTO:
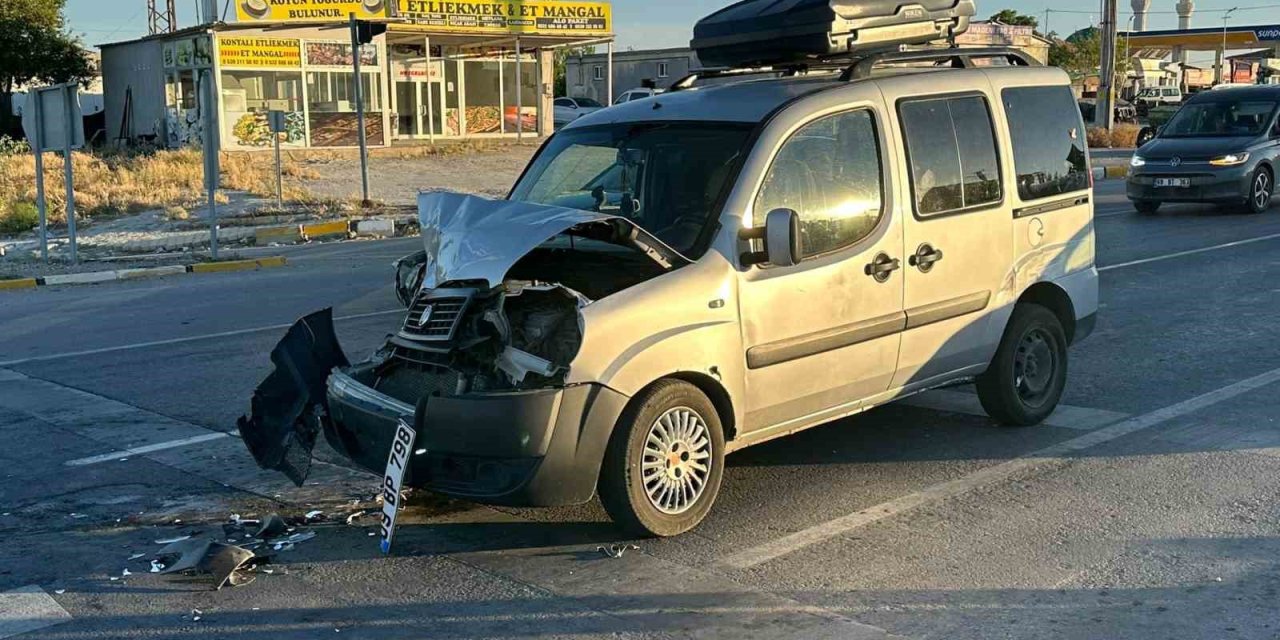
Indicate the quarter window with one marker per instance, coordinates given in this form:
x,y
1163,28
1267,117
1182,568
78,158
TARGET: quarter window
x,y
952,148
829,173
1048,141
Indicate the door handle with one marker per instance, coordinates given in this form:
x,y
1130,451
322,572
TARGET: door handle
x,y
882,267
925,257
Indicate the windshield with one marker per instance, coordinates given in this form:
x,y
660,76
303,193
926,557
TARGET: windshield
x,y
664,177
1220,118
587,102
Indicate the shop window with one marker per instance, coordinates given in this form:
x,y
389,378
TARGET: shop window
x,y
247,98
331,102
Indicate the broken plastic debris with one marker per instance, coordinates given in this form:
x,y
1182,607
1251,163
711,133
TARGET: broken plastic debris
x,y
301,536
314,515
617,550
355,516
195,614
272,526
172,540
126,573
59,591
156,566
114,578
283,546
224,561
136,556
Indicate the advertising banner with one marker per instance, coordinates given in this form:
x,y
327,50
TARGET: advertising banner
x,y
543,17
309,10
259,53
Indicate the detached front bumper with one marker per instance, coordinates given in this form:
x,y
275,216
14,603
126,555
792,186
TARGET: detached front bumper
x,y
520,448
539,447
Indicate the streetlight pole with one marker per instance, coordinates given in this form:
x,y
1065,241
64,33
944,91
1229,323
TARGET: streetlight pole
x,y
1222,55
1128,60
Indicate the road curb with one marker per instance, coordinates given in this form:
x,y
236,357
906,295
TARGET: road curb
x,y
382,226
96,277
1111,173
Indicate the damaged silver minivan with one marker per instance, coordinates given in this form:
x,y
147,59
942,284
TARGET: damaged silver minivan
x,y
674,279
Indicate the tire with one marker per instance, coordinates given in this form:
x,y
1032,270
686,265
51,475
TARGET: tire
x,y
663,411
1262,187
1146,207
1033,339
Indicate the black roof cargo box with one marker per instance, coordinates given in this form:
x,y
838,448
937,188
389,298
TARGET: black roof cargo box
x,y
771,32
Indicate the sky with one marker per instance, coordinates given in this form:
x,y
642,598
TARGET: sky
x,y
651,24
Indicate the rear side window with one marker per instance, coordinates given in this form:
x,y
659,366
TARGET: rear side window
x,y
1048,143
829,173
952,151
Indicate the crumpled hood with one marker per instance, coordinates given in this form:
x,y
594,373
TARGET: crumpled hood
x,y
474,238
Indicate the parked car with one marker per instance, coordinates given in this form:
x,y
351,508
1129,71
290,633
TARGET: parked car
x,y
670,280
636,94
1154,96
1220,147
1124,110
569,109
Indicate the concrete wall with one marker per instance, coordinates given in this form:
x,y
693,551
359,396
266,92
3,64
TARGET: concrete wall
x,y
630,69
137,67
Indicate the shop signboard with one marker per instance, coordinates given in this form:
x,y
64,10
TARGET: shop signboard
x,y
541,17
417,69
259,53
188,53
338,55
309,10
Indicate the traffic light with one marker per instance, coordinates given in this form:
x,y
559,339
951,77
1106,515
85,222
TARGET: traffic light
x,y
366,31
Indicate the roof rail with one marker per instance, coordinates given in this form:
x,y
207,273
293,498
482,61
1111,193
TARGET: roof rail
x,y
959,58
860,67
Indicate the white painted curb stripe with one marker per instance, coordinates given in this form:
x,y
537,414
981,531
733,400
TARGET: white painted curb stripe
x,y
150,448
801,539
80,278
27,609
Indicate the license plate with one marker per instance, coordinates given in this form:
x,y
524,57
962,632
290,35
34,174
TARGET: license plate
x,y
393,480
1173,182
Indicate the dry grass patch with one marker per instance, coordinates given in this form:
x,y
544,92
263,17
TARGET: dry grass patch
x,y
111,184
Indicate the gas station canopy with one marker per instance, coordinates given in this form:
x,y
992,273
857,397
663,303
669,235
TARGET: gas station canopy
x,y
1206,39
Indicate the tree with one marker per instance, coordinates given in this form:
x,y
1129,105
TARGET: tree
x,y
36,48
562,56
1012,17
1080,55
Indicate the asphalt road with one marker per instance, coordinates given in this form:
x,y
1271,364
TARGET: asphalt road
x,y
1146,509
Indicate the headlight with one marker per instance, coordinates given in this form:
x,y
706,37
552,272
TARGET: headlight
x,y
1230,160
1137,161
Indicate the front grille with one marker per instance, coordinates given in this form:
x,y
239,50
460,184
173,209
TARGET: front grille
x,y
445,312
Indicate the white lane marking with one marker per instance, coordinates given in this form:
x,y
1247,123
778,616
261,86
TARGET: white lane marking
x,y
150,448
1066,416
161,343
27,609
774,549
1190,252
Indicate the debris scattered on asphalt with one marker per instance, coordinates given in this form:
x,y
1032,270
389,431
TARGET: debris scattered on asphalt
x,y
282,546
314,516
272,526
617,550
59,591
78,516
156,566
356,516
225,562
172,540
195,615
126,573
136,556
301,536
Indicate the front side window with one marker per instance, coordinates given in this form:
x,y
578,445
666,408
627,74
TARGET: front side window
x,y
951,145
1048,146
667,178
829,173
1220,118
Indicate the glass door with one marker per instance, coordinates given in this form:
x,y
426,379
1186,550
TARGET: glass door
x,y
410,108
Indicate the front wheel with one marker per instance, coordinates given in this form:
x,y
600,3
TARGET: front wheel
x,y
1261,188
664,462
1029,371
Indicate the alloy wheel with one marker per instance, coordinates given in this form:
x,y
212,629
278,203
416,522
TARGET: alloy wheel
x,y
676,460
1262,190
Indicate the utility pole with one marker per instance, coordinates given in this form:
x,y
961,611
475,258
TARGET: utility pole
x,y
1105,114
161,19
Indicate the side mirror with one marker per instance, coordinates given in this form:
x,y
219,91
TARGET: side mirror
x,y
781,236
410,271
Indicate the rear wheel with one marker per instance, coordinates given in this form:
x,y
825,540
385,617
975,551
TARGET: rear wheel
x,y
1029,371
664,462
1261,188
1146,207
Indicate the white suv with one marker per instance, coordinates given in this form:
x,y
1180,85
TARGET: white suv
x,y
674,280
